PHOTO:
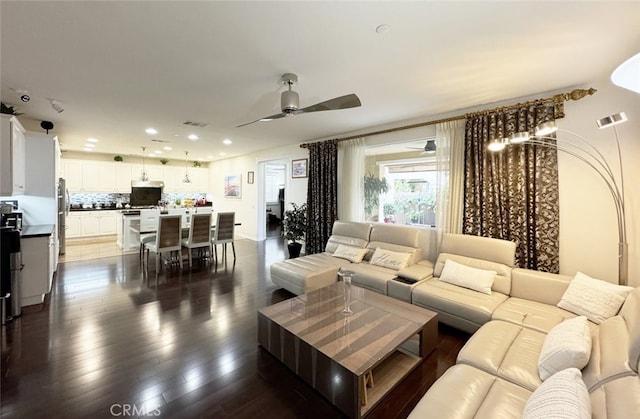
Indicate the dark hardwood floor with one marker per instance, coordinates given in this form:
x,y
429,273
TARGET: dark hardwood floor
x,y
110,342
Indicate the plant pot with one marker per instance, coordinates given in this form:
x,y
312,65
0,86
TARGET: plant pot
x,y
294,250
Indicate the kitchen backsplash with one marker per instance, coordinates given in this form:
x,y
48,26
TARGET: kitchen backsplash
x,y
106,199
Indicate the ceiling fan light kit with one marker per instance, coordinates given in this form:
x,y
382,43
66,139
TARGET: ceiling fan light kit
x,y
290,102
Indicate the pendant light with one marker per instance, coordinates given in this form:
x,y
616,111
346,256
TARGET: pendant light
x,y
186,169
143,174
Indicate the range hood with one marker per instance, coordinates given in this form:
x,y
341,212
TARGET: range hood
x,y
147,184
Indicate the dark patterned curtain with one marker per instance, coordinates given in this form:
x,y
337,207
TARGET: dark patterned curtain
x,y
513,194
322,194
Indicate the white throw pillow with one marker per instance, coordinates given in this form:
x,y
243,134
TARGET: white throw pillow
x,y
465,276
567,345
350,253
390,259
563,396
594,298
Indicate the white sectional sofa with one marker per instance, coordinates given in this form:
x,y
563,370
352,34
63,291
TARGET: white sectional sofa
x,y
497,372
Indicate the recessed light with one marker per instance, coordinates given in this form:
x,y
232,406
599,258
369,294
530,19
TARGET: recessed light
x,y
167,148
92,140
209,157
151,131
158,151
227,141
87,149
89,145
223,154
193,137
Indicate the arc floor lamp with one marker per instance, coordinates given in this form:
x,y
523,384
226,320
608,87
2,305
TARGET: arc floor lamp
x,y
583,150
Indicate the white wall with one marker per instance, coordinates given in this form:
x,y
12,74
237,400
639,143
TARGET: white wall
x,y
247,206
588,227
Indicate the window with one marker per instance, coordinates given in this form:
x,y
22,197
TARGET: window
x,y
411,197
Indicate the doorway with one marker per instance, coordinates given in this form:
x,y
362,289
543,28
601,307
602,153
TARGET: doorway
x,y
274,196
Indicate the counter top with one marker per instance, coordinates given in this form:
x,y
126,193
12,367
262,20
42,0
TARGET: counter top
x,y
96,209
40,230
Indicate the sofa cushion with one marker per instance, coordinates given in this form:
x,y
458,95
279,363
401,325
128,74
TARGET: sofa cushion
x,y
630,312
507,351
307,273
567,345
465,276
594,298
616,399
371,276
350,253
531,314
562,396
479,395
609,353
502,280
396,238
456,306
349,233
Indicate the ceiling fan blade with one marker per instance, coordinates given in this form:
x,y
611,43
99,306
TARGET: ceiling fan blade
x,y
264,119
342,102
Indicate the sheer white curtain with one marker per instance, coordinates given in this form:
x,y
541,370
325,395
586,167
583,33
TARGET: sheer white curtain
x,y
450,177
351,164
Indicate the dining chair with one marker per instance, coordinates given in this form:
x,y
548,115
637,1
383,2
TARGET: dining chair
x,y
199,234
223,234
167,240
148,222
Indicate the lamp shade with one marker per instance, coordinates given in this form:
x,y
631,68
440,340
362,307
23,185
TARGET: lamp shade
x,y
497,145
546,128
611,120
430,147
519,137
626,75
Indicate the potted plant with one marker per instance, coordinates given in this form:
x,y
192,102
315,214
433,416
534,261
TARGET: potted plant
x,y
117,158
373,187
295,225
164,161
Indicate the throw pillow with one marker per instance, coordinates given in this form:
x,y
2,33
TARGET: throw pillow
x,y
390,259
568,344
465,276
563,396
594,298
350,253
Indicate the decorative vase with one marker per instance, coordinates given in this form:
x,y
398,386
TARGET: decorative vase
x,y
346,291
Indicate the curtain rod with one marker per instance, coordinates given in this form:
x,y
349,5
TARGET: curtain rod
x,y
558,99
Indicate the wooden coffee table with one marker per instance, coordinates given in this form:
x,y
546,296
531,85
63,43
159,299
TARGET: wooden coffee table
x,y
341,356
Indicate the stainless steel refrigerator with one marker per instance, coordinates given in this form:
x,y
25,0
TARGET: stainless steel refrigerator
x,y
63,211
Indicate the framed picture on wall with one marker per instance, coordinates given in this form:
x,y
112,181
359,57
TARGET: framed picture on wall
x,y
250,177
299,168
232,186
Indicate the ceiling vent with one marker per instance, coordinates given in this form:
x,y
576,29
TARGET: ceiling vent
x,y
160,141
195,124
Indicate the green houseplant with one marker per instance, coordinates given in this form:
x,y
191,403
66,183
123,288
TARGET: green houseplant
x,y
373,187
117,158
295,225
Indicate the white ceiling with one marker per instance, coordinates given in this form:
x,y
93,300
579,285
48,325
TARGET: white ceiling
x,y
118,67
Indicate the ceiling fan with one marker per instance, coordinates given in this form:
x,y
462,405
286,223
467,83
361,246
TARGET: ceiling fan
x,y
429,147
289,101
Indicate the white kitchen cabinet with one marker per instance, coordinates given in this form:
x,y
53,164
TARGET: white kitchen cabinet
x,y
123,177
73,175
154,171
107,223
89,224
37,272
12,157
73,227
172,177
92,223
